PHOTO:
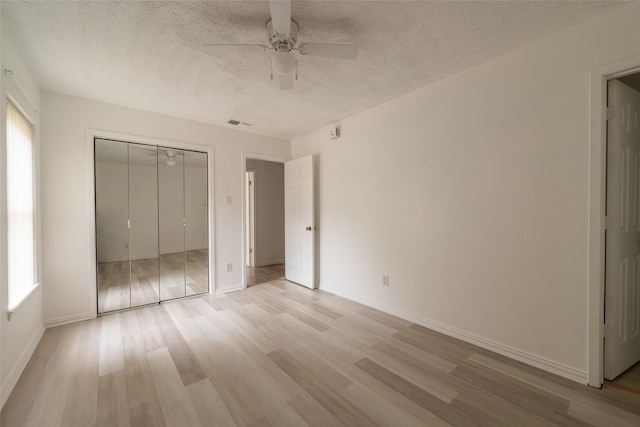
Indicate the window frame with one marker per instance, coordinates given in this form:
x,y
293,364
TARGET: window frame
x,y
15,300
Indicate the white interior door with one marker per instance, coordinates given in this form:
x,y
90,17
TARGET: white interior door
x,y
622,306
299,225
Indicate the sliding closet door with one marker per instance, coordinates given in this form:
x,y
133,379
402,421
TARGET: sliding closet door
x,y
143,215
171,223
197,224
112,231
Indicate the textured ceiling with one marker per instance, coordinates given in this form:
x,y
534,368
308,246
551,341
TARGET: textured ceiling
x,y
148,55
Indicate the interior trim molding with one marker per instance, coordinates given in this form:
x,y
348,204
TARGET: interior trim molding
x,y
229,288
14,375
90,135
68,319
598,78
491,345
244,156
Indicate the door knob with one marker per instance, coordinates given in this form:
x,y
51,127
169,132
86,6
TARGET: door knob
x,y
308,228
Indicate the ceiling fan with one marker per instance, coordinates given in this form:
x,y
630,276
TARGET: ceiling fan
x,y
282,38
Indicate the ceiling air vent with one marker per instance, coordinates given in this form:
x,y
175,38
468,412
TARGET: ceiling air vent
x,y
236,123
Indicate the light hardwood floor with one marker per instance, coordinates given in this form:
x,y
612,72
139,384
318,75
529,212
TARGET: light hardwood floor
x,y
282,355
629,380
267,273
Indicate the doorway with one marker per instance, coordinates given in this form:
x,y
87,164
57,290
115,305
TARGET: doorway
x,y
264,248
622,234
250,216
597,171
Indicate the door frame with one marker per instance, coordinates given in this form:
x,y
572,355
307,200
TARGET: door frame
x,y
250,219
90,135
244,157
598,78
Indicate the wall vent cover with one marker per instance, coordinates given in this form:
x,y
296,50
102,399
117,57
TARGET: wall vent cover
x,y
236,123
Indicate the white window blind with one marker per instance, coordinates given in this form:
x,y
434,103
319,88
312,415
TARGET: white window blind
x,y
20,206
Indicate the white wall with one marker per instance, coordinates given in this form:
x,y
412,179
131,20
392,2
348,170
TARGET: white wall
x,y
20,335
472,195
269,201
66,222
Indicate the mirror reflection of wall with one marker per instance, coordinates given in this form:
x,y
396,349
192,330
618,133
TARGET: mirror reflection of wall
x,y
151,223
196,208
143,214
112,232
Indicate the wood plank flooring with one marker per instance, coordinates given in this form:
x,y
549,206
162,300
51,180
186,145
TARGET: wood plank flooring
x,y
628,380
267,273
282,355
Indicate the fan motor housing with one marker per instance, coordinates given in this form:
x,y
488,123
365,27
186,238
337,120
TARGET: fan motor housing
x,y
283,41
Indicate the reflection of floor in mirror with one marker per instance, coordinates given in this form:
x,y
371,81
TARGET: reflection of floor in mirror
x,y
197,271
113,285
264,274
113,279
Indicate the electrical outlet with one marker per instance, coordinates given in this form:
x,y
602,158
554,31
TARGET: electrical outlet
x,y
385,280
229,267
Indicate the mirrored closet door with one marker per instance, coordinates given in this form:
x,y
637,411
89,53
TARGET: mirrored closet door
x,y
151,224
196,235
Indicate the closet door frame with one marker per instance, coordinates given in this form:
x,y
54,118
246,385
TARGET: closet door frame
x,y
90,136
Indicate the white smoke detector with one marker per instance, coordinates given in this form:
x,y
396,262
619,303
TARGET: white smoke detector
x,y
334,132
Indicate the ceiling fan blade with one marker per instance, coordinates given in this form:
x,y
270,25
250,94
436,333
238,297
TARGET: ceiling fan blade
x,y
325,50
281,16
286,81
214,49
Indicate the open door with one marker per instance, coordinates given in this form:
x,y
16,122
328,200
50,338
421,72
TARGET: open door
x,y
622,287
299,223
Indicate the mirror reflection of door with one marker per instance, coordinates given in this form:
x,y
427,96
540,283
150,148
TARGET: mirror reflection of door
x,y
151,224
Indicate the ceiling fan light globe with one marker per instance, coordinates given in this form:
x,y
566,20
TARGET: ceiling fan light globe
x,y
283,63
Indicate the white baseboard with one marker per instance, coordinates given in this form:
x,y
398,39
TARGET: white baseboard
x,y
14,375
228,288
491,345
68,319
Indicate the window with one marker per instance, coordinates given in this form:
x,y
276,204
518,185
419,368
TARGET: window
x,y
20,206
